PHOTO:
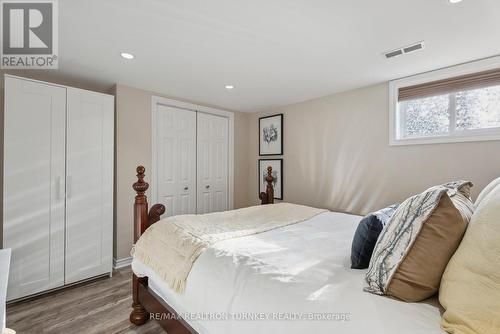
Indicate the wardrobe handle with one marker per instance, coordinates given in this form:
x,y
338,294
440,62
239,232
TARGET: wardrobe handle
x,y
207,186
59,188
186,188
69,188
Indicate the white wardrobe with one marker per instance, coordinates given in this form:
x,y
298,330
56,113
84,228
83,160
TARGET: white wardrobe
x,y
58,185
191,160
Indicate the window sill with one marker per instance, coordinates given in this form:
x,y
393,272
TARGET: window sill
x,y
444,139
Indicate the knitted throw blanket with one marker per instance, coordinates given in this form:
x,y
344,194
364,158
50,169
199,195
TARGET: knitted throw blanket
x,y
171,246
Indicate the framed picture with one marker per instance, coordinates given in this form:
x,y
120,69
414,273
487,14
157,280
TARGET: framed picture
x,y
277,165
271,135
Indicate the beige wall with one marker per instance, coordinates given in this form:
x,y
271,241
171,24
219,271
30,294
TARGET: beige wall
x,y
241,159
337,155
133,148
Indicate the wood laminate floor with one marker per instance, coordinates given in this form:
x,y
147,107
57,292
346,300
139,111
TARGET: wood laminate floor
x,y
101,306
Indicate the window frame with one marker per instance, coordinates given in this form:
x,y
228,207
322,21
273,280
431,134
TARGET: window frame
x,y
395,138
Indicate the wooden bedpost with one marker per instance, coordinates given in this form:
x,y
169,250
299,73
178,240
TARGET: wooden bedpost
x,y
140,204
268,196
139,315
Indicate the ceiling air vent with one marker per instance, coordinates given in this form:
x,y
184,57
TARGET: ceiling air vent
x,y
394,53
405,50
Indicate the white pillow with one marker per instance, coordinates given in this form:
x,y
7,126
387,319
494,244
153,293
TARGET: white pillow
x,y
470,287
492,185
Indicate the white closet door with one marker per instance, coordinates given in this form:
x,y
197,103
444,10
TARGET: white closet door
x,y
33,202
89,184
212,163
175,159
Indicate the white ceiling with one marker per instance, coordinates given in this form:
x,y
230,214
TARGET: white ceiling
x,y
274,52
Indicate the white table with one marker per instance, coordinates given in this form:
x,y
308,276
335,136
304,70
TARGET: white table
x,y
4,278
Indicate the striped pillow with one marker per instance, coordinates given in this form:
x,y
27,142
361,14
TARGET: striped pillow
x,y
413,250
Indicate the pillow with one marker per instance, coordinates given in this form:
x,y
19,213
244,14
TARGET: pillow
x,y
486,191
413,250
470,288
366,236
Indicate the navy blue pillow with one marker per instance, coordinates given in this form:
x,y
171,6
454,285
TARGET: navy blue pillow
x,y
366,236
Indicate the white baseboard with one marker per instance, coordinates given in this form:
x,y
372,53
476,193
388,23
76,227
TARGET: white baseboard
x,y
120,263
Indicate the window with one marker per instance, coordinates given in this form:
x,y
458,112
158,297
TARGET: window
x,y
452,105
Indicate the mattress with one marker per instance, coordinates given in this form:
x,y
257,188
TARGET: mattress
x,y
295,279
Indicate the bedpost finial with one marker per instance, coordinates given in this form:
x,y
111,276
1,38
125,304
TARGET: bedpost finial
x,y
140,186
140,170
269,177
268,196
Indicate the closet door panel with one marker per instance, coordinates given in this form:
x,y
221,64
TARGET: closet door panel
x,y
89,185
220,161
204,164
33,215
175,160
212,163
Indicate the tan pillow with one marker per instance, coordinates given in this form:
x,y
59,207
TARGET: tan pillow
x,y
470,288
419,275
419,241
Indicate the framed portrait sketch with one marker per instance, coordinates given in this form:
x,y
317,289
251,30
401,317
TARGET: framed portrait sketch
x,y
271,135
277,165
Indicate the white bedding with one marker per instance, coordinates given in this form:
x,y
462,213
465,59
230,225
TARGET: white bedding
x,y
295,272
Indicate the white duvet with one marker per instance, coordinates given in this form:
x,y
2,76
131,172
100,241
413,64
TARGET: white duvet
x,y
295,279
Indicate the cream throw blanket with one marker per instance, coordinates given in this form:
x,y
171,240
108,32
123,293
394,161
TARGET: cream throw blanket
x,y
171,246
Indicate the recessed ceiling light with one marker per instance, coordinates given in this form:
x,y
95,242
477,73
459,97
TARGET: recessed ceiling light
x,y
229,87
455,1
127,55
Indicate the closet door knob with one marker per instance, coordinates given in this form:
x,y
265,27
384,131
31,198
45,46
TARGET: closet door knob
x,y
207,186
186,188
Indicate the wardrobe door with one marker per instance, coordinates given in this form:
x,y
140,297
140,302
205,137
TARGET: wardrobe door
x,y
89,185
175,156
212,147
33,197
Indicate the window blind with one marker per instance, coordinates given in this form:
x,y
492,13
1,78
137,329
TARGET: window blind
x,y
455,84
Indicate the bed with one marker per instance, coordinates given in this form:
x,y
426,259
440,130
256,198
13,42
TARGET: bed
x,y
293,279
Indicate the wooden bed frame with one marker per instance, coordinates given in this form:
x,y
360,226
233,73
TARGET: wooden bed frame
x,y
146,303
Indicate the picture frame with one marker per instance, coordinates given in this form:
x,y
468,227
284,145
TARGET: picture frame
x,y
271,135
277,165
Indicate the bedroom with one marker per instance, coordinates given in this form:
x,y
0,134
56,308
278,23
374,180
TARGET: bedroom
x,y
356,106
